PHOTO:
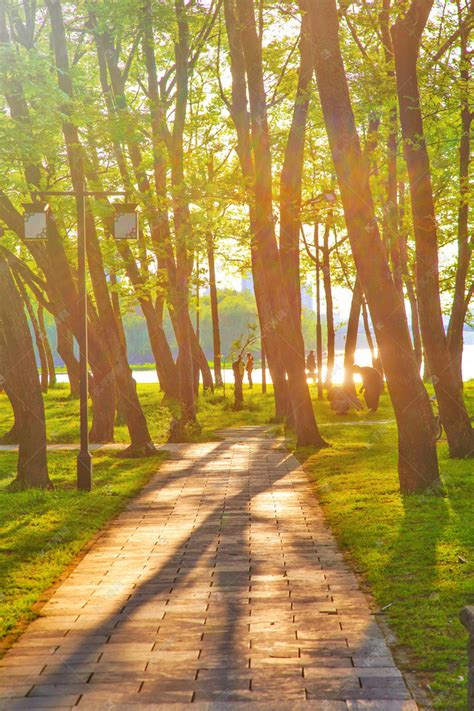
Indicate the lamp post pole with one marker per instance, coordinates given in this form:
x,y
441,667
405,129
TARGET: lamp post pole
x,y
84,459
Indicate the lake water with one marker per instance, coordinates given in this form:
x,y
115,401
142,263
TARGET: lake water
x,y
362,357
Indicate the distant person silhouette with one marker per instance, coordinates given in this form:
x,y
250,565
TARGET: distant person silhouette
x,y
372,385
249,368
311,365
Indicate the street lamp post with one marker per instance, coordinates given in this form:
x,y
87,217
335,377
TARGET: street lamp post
x,y
36,229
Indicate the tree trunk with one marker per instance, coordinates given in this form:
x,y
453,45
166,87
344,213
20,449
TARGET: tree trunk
x,y
216,337
319,330
200,363
238,392
408,279
179,291
47,348
165,365
158,221
351,337
240,116
287,344
65,348
406,37
153,313
368,333
37,331
391,206
331,333
417,460
121,408
264,369
21,383
460,299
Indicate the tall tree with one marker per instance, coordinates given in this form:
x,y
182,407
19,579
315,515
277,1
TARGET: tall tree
x,y
417,461
406,38
279,320
216,339
462,296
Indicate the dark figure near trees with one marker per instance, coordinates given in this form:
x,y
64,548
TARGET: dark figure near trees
x,y
342,400
372,385
249,368
311,365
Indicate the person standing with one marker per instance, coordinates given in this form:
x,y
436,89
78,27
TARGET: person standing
x,y
372,385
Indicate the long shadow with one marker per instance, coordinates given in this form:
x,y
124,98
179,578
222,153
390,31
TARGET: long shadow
x,y
110,624
412,571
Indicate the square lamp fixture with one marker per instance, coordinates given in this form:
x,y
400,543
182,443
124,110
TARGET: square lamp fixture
x,y
126,221
36,220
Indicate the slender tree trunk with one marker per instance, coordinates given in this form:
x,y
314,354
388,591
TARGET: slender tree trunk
x,y
200,363
47,348
121,416
417,460
415,324
114,297
391,207
319,330
460,298
238,392
180,289
65,348
409,285
368,333
37,331
406,37
351,337
153,313
289,344
264,369
240,116
331,333
159,226
216,337
21,383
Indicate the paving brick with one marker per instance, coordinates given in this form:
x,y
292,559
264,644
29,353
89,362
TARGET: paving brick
x,y
220,585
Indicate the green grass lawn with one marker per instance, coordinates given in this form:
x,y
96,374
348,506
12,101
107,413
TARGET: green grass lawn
x,y
42,531
215,411
405,548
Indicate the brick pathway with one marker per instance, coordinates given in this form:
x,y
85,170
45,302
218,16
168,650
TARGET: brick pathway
x,y
219,585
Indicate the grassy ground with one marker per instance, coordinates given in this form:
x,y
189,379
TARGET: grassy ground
x,y
215,411
42,531
409,550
